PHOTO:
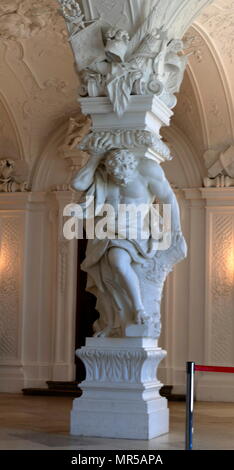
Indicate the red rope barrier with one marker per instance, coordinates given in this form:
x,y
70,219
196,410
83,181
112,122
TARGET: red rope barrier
x,y
225,370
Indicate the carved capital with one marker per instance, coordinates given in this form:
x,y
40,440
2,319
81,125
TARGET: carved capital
x,y
136,139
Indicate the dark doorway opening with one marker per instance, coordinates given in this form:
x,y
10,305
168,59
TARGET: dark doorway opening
x,y
85,309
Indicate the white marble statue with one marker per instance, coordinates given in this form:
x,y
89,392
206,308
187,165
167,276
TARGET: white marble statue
x,y
127,275
129,58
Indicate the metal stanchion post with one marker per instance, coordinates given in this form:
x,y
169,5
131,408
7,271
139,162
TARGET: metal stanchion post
x,y
189,406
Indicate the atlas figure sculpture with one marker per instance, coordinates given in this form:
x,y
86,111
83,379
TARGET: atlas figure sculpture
x,y
119,177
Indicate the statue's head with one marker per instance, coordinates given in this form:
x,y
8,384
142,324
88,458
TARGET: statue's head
x,y
121,165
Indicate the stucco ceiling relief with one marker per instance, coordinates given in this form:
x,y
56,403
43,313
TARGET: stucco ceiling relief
x,y
218,20
22,19
36,80
39,85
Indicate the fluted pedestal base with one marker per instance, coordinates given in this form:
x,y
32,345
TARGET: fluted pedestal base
x,y
121,392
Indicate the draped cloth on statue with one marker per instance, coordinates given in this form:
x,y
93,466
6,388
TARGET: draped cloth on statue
x,y
120,83
102,282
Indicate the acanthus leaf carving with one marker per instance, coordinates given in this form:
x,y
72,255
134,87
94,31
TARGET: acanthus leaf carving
x,y
120,366
128,138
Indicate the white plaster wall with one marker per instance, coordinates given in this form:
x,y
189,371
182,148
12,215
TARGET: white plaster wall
x,y
184,295
198,302
219,294
12,230
37,291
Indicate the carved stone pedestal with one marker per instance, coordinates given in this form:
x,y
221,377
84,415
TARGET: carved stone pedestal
x,y
121,392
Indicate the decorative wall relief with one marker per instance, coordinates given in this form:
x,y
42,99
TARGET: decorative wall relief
x,y
128,14
78,128
220,167
194,45
10,247
222,281
218,21
33,82
22,19
8,182
215,115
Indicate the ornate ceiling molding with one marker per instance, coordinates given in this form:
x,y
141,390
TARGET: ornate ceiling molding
x,y
186,154
36,100
28,92
22,19
218,20
213,96
223,75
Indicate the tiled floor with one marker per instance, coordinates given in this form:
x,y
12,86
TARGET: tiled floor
x,y
28,423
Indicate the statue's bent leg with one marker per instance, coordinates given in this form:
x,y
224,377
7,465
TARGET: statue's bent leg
x,y
121,265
